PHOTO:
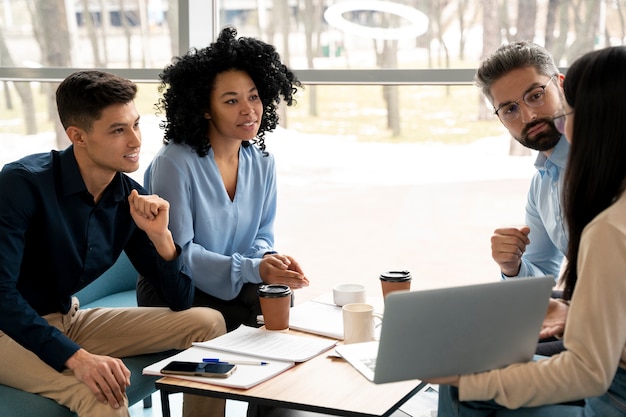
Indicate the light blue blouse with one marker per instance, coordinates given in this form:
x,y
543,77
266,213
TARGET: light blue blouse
x,y
544,215
223,241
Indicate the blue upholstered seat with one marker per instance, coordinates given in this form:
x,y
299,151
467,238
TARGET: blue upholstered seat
x,y
116,288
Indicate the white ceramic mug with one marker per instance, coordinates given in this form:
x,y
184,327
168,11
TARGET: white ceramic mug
x,y
348,293
358,322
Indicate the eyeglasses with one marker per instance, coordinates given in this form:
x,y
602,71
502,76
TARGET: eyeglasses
x,y
559,121
533,98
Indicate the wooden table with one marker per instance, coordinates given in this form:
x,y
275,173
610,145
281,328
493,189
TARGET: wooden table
x,y
323,385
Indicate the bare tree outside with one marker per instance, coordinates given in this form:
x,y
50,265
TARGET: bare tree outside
x,y
114,33
388,58
144,32
504,19
526,27
90,25
549,41
312,9
172,23
622,25
586,21
526,20
439,25
557,25
467,16
105,24
127,32
23,90
52,33
491,40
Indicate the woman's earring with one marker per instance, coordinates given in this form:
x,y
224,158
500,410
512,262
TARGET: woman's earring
x,y
207,116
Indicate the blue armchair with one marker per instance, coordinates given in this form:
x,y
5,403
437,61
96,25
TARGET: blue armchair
x,y
116,288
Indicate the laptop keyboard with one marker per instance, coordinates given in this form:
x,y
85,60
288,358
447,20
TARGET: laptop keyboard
x,y
370,363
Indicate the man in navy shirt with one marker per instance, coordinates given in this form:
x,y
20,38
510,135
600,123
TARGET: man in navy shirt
x,y
65,217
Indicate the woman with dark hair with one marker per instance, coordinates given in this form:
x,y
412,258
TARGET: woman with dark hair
x,y
594,365
219,102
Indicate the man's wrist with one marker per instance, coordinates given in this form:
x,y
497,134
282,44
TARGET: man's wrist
x,y
165,246
509,273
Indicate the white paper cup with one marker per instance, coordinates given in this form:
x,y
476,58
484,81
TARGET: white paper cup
x,y
348,293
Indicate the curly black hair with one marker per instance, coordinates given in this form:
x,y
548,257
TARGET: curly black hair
x,y
188,81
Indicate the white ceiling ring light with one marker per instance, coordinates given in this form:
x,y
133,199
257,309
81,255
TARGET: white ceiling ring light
x,y
418,21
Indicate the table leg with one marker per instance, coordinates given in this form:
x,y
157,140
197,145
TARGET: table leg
x,y
165,403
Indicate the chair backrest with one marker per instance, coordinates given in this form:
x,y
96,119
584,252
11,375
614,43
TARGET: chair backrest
x,y
122,276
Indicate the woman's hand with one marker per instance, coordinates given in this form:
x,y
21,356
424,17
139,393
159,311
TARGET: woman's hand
x,y
446,380
554,323
276,268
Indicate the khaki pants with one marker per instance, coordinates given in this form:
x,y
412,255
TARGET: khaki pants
x,y
115,332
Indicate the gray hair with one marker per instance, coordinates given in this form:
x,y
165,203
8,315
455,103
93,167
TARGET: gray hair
x,y
512,56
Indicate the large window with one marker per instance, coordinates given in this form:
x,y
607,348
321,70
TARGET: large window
x,y
391,159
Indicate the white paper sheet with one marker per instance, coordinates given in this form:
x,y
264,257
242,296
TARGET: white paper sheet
x,y
269,344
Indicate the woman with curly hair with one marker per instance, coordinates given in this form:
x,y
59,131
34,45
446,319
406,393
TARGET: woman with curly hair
x,y
219,102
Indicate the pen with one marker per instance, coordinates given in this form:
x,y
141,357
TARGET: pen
x,y
234,362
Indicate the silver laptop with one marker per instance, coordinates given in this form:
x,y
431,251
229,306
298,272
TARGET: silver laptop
x,y
453,331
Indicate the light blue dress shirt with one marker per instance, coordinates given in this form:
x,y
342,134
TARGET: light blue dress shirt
x,y
223,241
544,215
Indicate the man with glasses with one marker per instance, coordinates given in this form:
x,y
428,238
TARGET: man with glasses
x,y
524,86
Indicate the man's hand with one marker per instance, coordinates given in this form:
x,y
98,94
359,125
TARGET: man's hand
x,y
151,214
554,322
507,247
106,377
282,269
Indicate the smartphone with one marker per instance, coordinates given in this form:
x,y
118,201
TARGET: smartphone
x,y
212,370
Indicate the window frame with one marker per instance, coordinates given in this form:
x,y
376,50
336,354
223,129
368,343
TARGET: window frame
x,y
195,29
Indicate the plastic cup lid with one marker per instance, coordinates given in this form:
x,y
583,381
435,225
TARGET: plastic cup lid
x,y
274,290
396,276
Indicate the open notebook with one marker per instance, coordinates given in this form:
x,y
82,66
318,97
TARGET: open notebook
x,y
453,331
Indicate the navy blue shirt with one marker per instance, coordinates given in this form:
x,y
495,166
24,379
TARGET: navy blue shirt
x,y
54,241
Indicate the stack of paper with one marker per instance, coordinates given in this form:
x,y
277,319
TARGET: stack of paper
x,y
268,344
279,350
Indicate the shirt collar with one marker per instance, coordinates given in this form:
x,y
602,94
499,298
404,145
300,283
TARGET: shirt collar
x,y
556,161
73,182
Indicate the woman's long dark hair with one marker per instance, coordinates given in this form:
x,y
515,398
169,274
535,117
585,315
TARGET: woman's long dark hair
x,y
594,88
187,84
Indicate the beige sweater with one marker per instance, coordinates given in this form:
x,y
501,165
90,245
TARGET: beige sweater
x,y
595,334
